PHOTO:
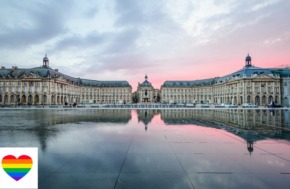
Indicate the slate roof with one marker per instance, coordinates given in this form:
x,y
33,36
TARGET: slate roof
x,y
189,83
283,72
145,84
247,72
48,72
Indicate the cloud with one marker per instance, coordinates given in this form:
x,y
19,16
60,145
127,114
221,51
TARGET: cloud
x,y
145,15
129,38
136,13
81,42
91,12
123,41
102,48
24,24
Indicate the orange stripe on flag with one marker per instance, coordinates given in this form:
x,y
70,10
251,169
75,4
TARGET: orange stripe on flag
x,y
16,161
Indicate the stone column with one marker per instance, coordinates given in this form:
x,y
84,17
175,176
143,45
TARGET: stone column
x,y
33,100
48,99
26,99
40,99
55,100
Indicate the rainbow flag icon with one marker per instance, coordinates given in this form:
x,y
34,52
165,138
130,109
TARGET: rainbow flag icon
x,y
17,168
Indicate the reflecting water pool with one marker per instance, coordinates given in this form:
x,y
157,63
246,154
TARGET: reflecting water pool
x,y
154,148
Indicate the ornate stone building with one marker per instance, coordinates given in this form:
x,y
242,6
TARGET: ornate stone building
x,y
248,85
198,91
146,92
46,86
285,84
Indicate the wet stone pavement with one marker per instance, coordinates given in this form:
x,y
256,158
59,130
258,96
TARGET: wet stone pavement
x,y
126,149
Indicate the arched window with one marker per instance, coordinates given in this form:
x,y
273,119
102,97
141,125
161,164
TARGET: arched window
x,y
270,99
23,99
248,99
12,98
257,100
36,99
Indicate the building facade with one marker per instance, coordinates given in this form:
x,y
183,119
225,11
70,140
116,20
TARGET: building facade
x,y
146,92
284,73
250,84
198,91
46,86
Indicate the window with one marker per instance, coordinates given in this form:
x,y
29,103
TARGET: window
x,y
248,89
276,90
262,88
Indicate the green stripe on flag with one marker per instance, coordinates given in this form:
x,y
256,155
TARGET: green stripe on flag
x,y
17,170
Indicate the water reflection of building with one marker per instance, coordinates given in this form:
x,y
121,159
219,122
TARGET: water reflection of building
x,y
241,118
41,123
145,116
42,118
251,125
286,118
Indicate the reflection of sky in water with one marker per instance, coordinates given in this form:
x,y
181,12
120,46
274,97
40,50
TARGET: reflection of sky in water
x,y
201,148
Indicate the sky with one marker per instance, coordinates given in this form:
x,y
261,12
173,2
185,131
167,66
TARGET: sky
x,y
126,39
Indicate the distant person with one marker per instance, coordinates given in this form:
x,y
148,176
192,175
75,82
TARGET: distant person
x,y
272,104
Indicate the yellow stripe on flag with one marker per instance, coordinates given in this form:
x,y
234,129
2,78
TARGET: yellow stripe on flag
x,y
17,165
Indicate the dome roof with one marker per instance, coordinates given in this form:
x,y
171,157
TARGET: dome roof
x,y
45,58
248,58
145,84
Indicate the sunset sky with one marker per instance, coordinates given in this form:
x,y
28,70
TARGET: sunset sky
x,y
126,39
